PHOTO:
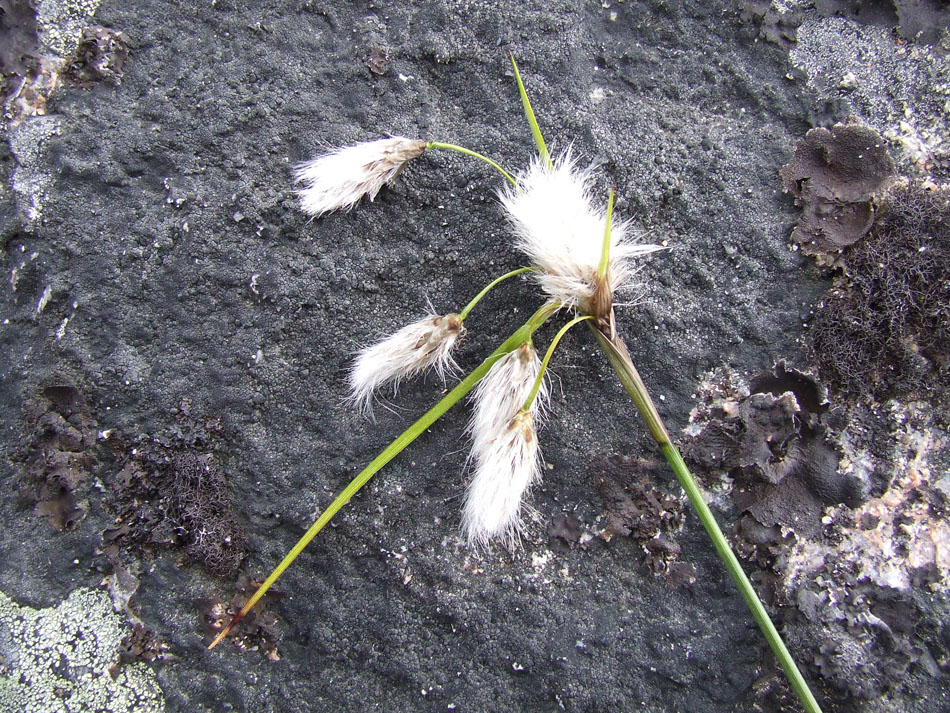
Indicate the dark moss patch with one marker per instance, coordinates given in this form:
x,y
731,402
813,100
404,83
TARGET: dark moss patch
x,y
171,498
171,493
886,330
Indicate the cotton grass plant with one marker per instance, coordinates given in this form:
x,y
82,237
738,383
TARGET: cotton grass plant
x,y
580,256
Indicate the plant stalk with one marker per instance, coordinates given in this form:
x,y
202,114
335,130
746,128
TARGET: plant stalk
x,y
518,337
605,246
473,154
547,359
488,288
619,359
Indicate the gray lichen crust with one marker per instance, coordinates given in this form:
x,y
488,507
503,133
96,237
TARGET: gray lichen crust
x,y
57,659
31,181
61,22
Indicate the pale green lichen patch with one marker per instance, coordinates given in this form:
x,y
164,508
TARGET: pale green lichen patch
x,y
61,22
58,659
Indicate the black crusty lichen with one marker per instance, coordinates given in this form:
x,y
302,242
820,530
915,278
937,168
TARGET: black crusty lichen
x,y
99,56
835,176
638,508
20,47
851,538
778,444
57,455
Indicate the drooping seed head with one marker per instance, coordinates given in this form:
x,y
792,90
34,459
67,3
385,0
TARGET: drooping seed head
x,y
426,343
505,469
504,448
340,178
503,391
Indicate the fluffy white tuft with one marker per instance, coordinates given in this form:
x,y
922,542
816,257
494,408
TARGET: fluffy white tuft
x,y
427,343
505,451
561,231
506,467
340,178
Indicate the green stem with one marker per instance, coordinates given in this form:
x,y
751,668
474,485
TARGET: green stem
x,y
474,154
519,337
547,357
605,247
620,360
632,383
529,113
471,305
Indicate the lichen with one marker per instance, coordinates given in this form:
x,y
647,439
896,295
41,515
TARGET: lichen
x,y
57,660
61,22
777,445
57,454
852,578
636,507
884,332
898,540
31,180
834,175
867,587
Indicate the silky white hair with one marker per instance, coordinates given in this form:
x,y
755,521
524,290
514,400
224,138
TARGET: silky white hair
x,y
340,178
426,343
560,230
505,453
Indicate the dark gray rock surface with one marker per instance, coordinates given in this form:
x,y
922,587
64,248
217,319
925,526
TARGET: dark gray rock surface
x,y
185,288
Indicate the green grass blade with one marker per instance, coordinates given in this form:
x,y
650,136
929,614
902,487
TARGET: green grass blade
x,y
795,678
529,114
547,358
630,379
519,337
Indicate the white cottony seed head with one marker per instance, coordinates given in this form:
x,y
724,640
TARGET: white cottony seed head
x,y
505,451
562,232
420,345
340,178
506,467
503,391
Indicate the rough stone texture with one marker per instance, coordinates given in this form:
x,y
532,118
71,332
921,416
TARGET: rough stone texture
x,y
901,90
160,215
